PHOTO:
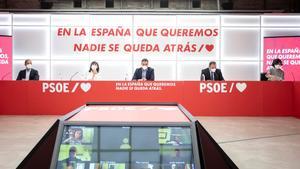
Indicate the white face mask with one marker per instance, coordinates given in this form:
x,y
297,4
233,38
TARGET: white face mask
x,y
213,70
94,67
144,67
28,66
278,66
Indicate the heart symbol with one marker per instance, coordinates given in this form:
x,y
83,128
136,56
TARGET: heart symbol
x,y
209,48
241,86
85,86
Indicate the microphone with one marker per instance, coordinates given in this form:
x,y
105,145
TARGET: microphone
x,y
73,75
5,75
60,76
127,77
202,77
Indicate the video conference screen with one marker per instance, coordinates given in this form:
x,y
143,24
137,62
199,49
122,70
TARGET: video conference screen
x,y
125,148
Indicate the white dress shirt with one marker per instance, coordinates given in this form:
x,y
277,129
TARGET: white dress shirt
x,y
92,76
27,74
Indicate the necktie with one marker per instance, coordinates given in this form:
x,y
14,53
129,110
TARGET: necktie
x,y
212,77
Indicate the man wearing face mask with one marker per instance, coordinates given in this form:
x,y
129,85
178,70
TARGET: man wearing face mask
x,y
144,73
275,72
212,73
29,73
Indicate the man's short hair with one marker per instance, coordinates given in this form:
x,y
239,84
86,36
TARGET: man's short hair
x,y
276,62
72,149
27,60
145,60
212,63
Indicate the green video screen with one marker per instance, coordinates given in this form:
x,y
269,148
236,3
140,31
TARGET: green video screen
x,y
174,135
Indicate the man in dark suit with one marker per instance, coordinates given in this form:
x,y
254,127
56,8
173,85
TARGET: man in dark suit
x,y
212,73
29,73
72,161
144,73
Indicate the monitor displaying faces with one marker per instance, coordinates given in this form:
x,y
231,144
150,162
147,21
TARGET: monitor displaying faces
x,y
125,148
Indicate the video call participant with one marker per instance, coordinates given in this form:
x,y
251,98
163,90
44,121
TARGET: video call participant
x,y
94,71
72,161
176,141
177,161
144,72
28,73
275,72
75,136
212,73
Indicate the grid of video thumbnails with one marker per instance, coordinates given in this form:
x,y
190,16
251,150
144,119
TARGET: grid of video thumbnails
x,y
125,148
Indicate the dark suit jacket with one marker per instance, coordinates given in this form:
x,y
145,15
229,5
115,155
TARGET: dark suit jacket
x,y
138,74
34,75
217,75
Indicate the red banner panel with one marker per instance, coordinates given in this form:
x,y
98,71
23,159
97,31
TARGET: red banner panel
x,y
6,58
200,98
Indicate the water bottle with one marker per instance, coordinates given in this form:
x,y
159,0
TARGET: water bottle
x,y
202,77
126,77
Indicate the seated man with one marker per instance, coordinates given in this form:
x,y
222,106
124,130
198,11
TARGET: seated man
x,y
72,161
144,73
29,73
212,73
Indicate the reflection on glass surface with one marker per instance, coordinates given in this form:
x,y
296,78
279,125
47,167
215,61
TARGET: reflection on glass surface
x,y
125,148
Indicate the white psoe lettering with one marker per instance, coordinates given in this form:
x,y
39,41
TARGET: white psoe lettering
x,y
56,87
213,87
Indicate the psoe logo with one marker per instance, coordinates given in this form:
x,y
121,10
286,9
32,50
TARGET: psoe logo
x,y
222,87
65,87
